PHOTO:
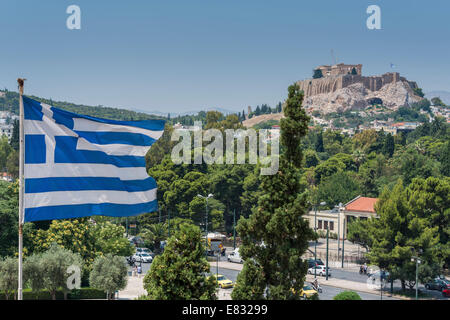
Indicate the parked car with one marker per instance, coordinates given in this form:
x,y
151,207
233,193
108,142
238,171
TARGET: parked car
x,y
145,250
142,257
235,257
446,292
223,281
307,292
320,270
438,284
317,262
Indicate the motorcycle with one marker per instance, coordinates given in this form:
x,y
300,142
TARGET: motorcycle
x,y
318,288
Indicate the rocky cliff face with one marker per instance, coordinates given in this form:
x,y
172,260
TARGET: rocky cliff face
x,y
357,96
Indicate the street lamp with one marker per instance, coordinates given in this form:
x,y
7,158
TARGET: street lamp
x,y
417,260
206,217
315,230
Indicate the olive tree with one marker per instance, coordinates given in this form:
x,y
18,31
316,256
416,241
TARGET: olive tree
x,y
55,263
32,273
109,273
9,276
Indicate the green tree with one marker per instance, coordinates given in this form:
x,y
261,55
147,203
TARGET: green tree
x,y
32,273
389,146
317,74
55,262
12,164
311,159
8,276
179,273
340,187
359,232
5,150
109,273
15,136
319,142
9,210
445,160
399,233
275,236
153,234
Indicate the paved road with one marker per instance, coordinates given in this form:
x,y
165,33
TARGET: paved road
x,y
328,292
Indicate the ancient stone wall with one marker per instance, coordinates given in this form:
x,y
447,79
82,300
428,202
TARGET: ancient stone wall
x,y
330,84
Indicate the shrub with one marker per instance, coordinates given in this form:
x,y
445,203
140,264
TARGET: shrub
x,y
83,293
347,295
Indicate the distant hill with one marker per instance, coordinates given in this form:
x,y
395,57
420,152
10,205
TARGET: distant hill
x,y
262,118
9,101
444,95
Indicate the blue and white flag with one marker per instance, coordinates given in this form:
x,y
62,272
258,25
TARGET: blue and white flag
x,y
78,166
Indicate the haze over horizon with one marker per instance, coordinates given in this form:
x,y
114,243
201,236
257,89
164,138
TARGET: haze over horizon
x,y
179,57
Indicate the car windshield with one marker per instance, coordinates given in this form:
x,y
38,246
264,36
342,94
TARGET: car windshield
x,y
144,255
220,278
307,288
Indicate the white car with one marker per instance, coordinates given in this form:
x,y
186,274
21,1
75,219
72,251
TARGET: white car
x,y
235,257
142,257
320,270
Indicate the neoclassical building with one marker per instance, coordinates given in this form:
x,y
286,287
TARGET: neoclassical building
x,y
338,219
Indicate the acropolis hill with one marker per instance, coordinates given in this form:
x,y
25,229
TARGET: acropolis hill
x,y
343,87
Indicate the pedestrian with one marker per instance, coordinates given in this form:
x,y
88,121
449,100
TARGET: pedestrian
x,y
365,268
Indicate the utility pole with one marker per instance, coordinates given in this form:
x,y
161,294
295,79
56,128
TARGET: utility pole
x,y
343,241
326,270
315,244
234,228
381,285
206,219
416,258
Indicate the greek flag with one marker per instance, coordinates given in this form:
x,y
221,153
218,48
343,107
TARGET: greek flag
x,y
78,166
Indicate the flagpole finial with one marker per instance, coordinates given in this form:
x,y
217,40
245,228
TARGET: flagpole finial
x,y
21,81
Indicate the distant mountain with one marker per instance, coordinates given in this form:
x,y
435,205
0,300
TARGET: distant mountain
x,y
444,95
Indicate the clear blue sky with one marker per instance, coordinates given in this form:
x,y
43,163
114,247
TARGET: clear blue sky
x,y
182,55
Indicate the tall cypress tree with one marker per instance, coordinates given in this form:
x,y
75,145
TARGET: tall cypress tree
x,y
389,145
275,236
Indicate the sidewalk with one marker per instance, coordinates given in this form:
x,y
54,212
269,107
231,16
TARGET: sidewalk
x,y
134,289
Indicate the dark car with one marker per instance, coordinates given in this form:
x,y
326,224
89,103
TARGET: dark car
x,y
438,284
313,263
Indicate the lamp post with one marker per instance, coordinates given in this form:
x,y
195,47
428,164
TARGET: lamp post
x,y
234,229
315,230
206,218
417,259
326,268
339,228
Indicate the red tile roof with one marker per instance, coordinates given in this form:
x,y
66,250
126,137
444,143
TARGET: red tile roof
x,y
361,204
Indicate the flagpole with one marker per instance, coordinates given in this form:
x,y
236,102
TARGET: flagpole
x,y
21,187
